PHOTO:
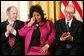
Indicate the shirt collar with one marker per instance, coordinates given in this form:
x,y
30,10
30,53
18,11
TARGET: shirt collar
x,y
10,21
70,21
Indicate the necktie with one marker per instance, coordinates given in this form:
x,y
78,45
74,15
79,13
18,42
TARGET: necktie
x,y
68,46
67,26
11,40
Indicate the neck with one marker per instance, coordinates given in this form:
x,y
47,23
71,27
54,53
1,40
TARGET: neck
x,y
11,20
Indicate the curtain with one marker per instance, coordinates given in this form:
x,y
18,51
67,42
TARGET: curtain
x,y
51,9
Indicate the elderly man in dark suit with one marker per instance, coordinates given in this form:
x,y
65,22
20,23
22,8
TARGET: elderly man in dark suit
x,y
11,42
69,33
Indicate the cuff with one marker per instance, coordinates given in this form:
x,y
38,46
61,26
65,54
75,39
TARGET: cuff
x,y
14,32
71,38
6,34
60,38
47,45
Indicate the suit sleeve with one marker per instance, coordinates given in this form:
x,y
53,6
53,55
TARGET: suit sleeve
x,y
78,38
58,34
3,29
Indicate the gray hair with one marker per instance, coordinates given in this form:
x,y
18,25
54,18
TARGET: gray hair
x,y
9,8
70,6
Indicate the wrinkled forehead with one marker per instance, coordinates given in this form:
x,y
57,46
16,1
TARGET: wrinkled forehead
x,y
70,9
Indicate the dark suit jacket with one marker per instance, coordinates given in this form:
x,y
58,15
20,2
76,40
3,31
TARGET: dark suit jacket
x,y
75,30
5,48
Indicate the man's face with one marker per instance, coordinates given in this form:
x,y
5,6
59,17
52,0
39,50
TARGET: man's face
x,y
69,12
12,14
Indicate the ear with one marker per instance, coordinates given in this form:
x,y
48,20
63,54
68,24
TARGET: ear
x,y
7,13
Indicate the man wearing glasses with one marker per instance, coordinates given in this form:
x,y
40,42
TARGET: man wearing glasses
x,y
69,33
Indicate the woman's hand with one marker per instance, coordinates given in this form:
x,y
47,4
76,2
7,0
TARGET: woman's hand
x,y
44,49
32,21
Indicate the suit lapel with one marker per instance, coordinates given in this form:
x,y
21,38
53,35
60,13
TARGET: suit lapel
x,y
72,25
14,25
64,25
7,22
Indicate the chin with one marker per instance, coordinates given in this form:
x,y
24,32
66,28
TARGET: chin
x,y
14,19
69,19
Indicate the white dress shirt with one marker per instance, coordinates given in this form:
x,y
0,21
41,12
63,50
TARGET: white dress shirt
x,y
70,21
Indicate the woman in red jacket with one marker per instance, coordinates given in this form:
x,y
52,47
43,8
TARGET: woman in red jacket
x,y
39,33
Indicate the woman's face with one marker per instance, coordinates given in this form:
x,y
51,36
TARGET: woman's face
x,y
37,16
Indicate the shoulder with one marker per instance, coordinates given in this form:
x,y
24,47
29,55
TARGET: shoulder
x,y
59,21
19,21
4,22
77,22
49,22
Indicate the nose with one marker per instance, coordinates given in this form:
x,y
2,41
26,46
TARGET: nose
x,y
15,14
36,17
68,14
